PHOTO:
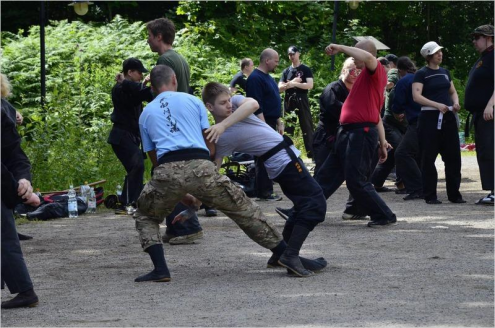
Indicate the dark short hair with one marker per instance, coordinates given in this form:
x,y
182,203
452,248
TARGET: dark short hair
x,y
161,75
212,90
163,26
383,61
245,62
392,58
405,63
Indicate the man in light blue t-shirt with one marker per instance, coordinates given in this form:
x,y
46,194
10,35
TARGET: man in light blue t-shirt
x,y
172,128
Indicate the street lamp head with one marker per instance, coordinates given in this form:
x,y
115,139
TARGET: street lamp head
x,y
353,4
81,7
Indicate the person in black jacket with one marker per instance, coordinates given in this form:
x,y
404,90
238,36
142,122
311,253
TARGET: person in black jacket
x,y
128,95
16,188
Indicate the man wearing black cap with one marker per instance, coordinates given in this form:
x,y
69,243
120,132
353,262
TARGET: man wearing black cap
x,y
296,80
479,101
127,97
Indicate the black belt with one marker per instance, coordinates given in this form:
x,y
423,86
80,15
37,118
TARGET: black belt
x,y
285,144
184,155
353,126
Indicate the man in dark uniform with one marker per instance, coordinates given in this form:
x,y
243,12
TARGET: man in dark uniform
x,y
296,81
16,188
479,101
128,95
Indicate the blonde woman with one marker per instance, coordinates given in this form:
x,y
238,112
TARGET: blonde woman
x,y
331,101
11,112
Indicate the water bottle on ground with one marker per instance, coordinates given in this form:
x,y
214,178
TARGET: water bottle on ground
x,y
85,189
119,193
72,202
92,201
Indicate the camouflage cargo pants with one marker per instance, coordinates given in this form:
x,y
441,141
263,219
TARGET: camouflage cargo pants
x,y
200,178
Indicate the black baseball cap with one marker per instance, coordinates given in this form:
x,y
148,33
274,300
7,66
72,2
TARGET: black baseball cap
x,y
292,50
135,64
392,58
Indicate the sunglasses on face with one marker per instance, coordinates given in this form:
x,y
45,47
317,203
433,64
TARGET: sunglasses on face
x,y
476,37
354,71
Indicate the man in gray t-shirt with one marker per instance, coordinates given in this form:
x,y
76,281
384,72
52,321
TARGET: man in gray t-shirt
x,y
237,129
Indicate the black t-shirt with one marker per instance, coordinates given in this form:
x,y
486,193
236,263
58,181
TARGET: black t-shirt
x,y
127,98
331,101
290,73
240,80
436,84
479,88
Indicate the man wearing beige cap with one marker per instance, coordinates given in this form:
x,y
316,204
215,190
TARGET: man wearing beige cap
x,y
479,101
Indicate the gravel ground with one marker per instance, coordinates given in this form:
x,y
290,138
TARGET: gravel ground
x,y
435,268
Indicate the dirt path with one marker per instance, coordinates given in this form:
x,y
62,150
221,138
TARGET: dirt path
x,y
435,268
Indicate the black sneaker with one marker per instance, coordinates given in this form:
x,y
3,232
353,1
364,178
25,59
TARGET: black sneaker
x,y
283,212
211,212
414,195
350,216
382,223
25,299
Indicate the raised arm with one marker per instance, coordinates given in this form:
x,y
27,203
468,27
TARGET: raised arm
x,y
358,54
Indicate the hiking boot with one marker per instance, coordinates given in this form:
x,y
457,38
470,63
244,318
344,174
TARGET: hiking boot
x,y
414,195
166,238
272,197
25,299
154,276
488,200
283,212
350,216
186,239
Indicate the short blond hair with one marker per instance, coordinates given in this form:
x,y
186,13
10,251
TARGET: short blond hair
x,y
6,87
348,62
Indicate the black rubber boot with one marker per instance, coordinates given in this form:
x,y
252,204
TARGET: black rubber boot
x,y
312,265
24,299
290,259
160,273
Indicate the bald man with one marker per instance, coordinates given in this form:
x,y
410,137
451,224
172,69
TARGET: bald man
x,y
263,88
360,133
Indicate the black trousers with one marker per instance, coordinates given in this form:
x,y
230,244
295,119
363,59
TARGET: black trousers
x,y
483,136
351,161
300,104
407,160
263,184
310,205
444,142
131,156
14,270
381,172
322,146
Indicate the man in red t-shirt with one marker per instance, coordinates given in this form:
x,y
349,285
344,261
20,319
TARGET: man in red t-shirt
x,y
360,132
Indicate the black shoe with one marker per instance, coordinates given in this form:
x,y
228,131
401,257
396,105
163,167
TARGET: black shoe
x,y
272,197
382,223
414,195
401,191
458,201
24,237
26,299
384,189
154,276
433,202
283,212
210,212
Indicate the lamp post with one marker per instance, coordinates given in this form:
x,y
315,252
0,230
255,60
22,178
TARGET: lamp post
x,y
42,53
81,7
334,29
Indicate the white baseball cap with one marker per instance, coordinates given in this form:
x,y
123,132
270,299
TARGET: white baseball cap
x,y
429,49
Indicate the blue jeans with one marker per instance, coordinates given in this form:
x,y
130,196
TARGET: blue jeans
x,y
351,161
187,227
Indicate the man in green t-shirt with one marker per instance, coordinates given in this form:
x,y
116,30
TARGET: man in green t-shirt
x,y
161,35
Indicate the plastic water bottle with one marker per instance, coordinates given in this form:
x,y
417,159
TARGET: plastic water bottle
x,y
91,201
118,191
85,189
72,202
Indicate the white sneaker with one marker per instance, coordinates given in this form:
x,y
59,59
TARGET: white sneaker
x,y
488,200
